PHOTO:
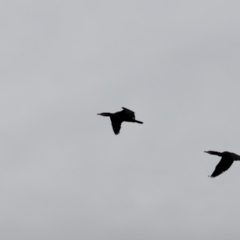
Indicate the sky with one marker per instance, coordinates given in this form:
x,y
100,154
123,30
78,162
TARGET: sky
x,y
64,174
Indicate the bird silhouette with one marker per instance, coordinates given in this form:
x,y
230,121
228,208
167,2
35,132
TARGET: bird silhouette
x,y
117,118
225,163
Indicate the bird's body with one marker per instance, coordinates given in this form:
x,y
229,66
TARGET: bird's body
x,y
225,163
117,118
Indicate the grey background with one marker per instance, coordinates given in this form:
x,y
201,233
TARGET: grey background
x,y
64,174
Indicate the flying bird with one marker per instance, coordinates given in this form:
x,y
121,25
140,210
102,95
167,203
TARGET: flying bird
x,y
117,118
225,163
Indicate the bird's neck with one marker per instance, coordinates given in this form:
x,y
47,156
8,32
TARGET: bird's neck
x,y
216,153
107,114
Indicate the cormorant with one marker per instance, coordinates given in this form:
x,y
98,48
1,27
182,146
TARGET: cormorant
x,y
117,118
225,163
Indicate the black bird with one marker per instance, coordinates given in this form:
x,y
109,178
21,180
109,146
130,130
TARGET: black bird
x,y
225,163
117,118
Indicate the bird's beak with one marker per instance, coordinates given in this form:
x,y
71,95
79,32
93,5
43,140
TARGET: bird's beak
x,y
98,113
206,151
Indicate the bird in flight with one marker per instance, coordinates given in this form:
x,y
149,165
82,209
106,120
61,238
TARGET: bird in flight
x,y
117,118
225,163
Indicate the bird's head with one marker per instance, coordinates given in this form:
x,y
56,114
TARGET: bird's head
x,y
214,153
209,152
104,114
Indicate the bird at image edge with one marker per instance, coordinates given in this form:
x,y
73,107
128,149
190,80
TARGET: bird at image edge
x,y
117,118
225,163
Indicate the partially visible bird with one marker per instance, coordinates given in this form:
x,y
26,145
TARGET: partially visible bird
x,y
225,163
117,118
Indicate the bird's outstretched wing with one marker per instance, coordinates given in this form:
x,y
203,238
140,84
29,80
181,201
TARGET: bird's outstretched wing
x,y
224,164
116,125
129,112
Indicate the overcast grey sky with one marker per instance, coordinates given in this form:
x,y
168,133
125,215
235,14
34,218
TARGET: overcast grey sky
x,y
64,174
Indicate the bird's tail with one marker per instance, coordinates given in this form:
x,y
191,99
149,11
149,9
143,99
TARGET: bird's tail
x,y
138,122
